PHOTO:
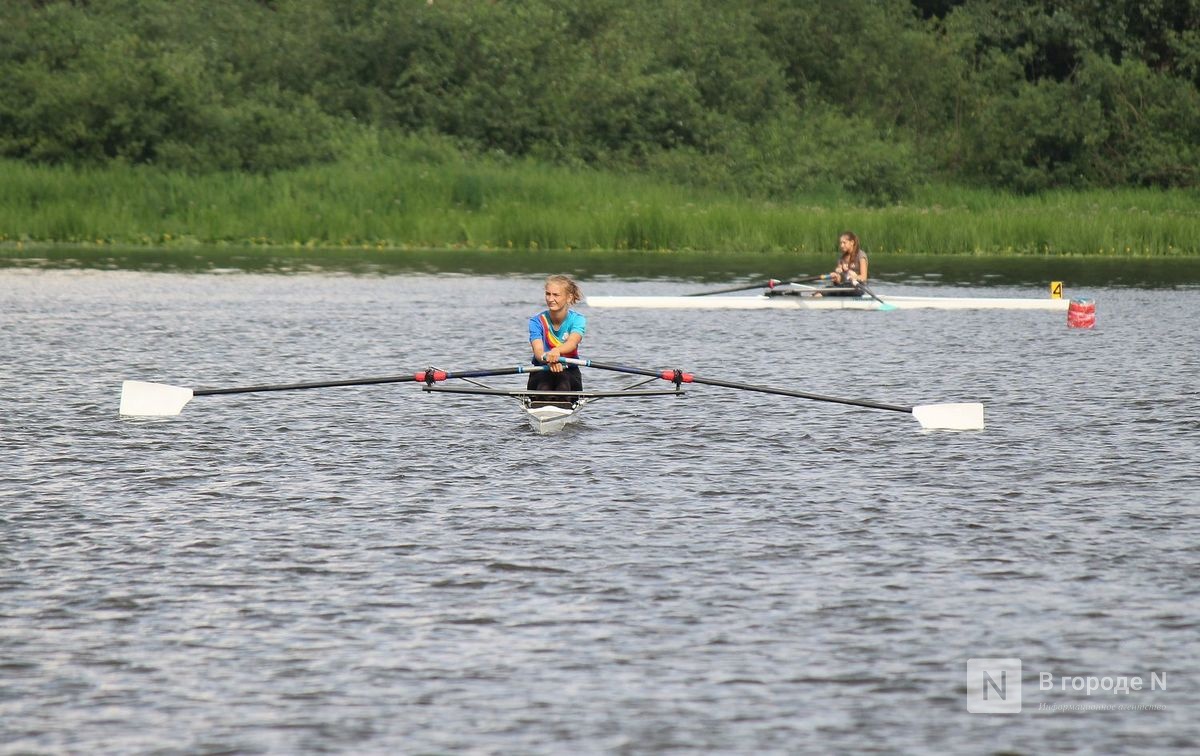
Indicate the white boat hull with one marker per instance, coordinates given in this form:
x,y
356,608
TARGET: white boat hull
x,y
552,418
763,302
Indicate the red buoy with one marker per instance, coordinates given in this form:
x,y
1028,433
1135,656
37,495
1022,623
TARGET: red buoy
x,y
1081,313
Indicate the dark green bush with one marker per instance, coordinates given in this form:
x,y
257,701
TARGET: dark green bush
x,y
756,97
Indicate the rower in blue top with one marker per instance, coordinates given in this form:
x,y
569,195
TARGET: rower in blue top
x,y
556,332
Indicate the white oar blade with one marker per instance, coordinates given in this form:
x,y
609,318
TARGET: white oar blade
x,y
962,416
142,399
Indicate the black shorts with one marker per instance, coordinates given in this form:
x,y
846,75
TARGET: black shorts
x,y
570,379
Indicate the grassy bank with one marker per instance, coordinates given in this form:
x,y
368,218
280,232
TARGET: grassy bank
x,y
418,195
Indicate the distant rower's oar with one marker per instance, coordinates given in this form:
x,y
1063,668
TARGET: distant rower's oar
x,y
143,399
770,284
958,416
883,306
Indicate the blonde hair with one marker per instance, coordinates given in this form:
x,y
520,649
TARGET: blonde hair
x,y
574,293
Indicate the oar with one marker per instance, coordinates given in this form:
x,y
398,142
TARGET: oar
x,y
770,284
801,283
143,399
883,306
957,416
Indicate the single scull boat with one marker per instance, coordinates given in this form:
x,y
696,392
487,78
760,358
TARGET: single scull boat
x,y
796,297
546,411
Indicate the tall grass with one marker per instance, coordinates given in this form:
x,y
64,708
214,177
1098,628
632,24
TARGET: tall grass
x,y
419,193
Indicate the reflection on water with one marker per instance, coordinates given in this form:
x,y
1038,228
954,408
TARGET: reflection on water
x,y
696,266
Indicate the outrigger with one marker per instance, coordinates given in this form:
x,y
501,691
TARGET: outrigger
x,y
551,411
547,411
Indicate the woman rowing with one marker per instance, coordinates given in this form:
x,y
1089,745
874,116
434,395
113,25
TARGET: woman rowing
x,y
556,332
851,269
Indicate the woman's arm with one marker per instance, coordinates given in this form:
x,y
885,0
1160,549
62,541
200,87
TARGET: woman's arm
x,y
861,273
839,271
568,346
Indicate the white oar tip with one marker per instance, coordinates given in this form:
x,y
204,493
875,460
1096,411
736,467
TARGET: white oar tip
x,y
960,416
143,399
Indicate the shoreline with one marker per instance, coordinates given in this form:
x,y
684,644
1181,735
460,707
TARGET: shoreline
x,y
256,245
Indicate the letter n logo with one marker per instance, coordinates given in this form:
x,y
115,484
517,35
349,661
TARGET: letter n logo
x,y
994,686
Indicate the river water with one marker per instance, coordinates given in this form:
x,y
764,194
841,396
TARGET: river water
x,y
379,570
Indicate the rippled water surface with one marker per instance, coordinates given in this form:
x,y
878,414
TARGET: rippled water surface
x,y
375,569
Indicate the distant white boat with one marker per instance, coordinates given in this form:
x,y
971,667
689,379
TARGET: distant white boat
x,y
807,300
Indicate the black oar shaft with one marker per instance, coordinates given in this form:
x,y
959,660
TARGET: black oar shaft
x,y
423,376
799,394
671,375
769,285
765,285
295,386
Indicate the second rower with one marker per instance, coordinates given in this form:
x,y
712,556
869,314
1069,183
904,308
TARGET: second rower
x,y
851,266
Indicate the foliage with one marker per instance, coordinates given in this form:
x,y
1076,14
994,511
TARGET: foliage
x,y
1051,109
422,193
768,98
131,87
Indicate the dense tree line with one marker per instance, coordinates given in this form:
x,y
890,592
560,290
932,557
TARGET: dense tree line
x,y
763,97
